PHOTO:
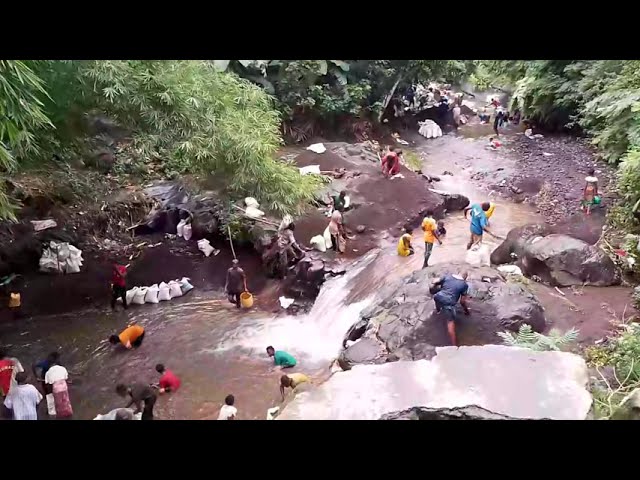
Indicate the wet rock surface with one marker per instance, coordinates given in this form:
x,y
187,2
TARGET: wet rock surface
x,y
503,381
405,325
563,261
464,413
557,259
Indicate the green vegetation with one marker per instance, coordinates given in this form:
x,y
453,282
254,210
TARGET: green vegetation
x,y
623,354
412,160
598,97
527,338
313,94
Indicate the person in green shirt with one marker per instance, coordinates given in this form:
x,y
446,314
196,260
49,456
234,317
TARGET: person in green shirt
x,y
280,358
338,202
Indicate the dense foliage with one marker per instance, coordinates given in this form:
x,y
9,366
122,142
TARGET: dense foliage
x,y
185,113
598,97
315,93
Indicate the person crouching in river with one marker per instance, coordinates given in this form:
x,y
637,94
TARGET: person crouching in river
x,y
118,285
336,230
280,358
130,337
236,283
451,289
139,394
404,243
292,381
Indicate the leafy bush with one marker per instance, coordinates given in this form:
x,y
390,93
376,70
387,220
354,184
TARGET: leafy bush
x,y
527,338
21,118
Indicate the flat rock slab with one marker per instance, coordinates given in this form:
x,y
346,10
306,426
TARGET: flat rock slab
x,y
509,381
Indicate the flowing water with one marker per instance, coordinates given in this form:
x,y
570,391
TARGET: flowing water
x,y
217,350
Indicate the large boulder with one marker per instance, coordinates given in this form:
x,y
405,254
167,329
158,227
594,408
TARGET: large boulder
x,y
562,260
405,326
490,381
513,246
453,202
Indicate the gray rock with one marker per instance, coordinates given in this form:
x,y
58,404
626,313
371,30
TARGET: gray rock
x,y
493,379
360,228
562,260
367,350
404,321
465,413
453,201
516,240
629,408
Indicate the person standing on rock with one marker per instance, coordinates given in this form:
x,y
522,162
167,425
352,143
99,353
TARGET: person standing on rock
x,y
118,285
236,282
339,202
479,222
336,230
430,229
404,244
287,248
590,191
453,289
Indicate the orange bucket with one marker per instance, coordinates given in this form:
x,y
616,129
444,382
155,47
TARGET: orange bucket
x,y
246,300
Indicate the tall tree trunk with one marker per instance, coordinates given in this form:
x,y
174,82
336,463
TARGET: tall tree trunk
x,y
388,98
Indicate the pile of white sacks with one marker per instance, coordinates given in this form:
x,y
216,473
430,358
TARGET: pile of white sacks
x,y
157,293
61,257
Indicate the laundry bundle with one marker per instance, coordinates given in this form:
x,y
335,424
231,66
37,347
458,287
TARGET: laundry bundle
x,y
61,257
430,129
157,293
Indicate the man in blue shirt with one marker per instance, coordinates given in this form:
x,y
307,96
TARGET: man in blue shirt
x,y
479,222
452,289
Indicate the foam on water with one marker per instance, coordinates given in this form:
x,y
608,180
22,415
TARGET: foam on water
x,y
317,335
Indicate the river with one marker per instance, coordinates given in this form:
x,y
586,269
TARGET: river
x,y
217,350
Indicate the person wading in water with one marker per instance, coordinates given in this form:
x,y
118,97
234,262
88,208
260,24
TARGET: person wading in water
x,y
119,285
430,228
479,222
236,282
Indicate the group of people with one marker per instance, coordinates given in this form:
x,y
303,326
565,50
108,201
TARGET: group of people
x,y
450,289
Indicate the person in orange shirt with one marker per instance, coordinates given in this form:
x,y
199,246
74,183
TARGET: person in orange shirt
x,y
430,228
130,337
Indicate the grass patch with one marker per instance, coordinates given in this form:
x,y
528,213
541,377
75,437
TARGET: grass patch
x,y
412,160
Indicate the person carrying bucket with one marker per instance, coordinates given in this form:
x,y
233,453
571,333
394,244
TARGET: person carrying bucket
x,y
236,283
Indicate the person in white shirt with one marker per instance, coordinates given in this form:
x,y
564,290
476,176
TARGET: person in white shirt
x,y
228,411
58,377
23,399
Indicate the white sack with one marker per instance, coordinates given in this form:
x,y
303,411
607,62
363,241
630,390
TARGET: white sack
x,y
164,293
138,297
185,286
180,228
311,169
205,247
317,148
174,289
152,294
318,243
187,231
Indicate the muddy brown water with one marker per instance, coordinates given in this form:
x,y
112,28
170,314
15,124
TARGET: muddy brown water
x,y
217,350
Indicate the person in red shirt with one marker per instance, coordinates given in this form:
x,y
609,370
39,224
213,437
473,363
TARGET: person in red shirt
x,y
118,285
168,381
7,367
391,163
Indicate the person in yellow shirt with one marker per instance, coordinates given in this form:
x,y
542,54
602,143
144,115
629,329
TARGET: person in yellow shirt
x,y
430,229
404,244
492,208
292,381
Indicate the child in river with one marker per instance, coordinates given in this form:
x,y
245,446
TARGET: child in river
x,y
441,231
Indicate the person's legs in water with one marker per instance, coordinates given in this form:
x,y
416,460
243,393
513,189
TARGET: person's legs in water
x,y
123,296
284,262
236,299
138,341
428,248
147,412
474,240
